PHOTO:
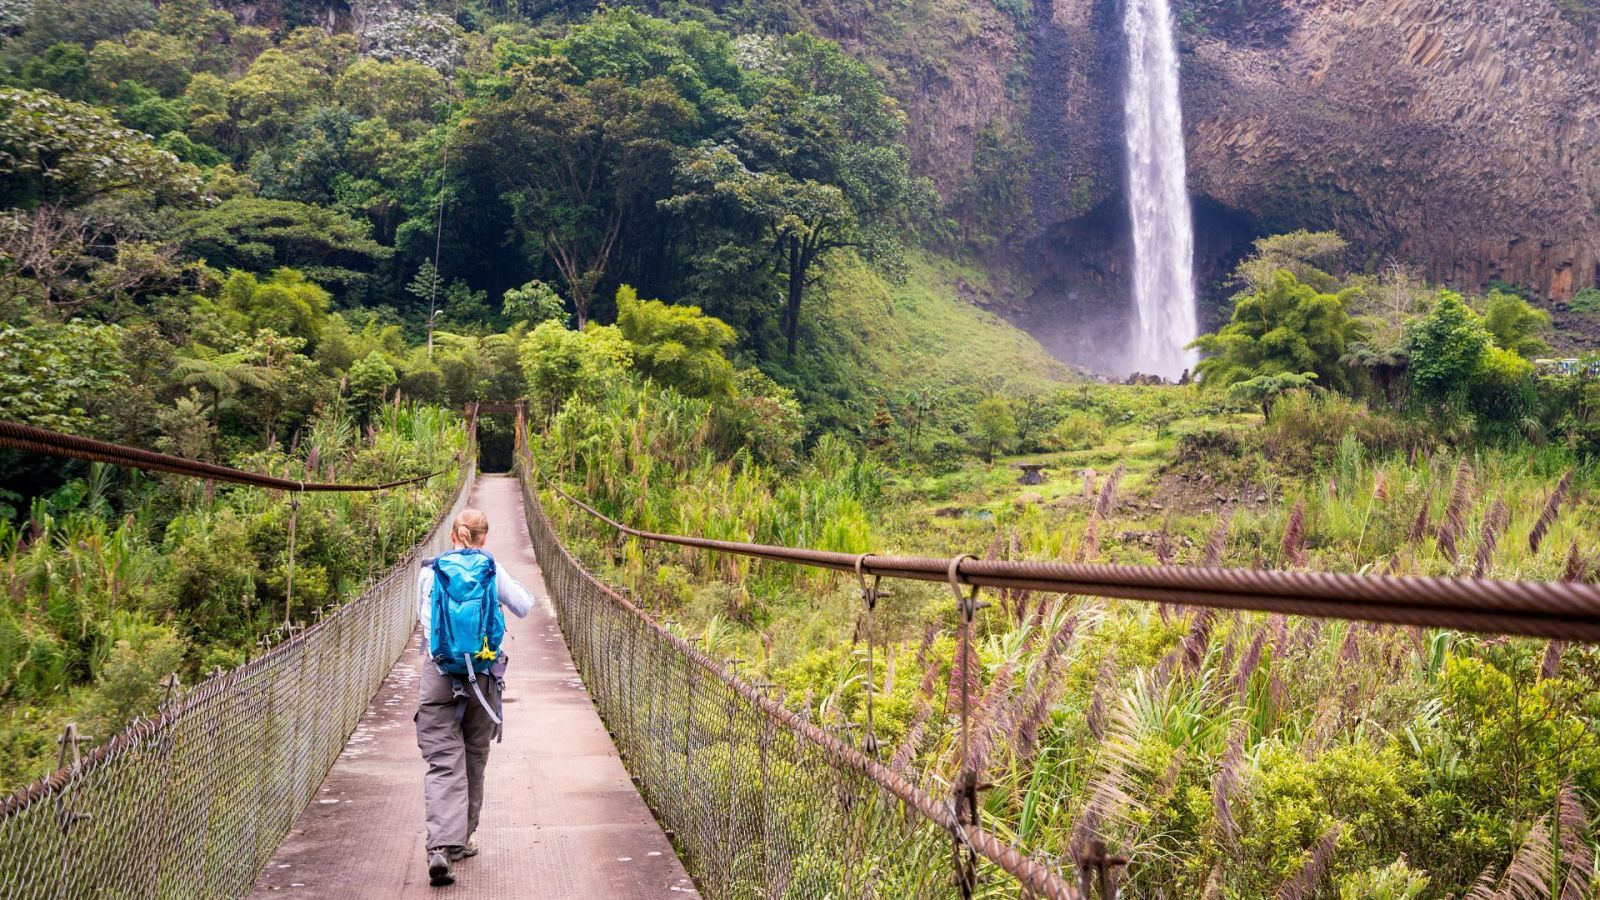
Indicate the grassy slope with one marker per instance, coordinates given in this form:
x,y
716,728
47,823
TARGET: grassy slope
x,y
928,332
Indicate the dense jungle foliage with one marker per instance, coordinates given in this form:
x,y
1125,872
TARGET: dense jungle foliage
x,y
691,238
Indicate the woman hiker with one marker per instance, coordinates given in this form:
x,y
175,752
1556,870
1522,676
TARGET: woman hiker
x,y
459,596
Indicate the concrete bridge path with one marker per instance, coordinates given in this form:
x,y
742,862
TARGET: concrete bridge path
x,y
560,817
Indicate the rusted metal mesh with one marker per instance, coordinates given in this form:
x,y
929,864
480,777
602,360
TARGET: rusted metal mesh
x,y
192,801
760,802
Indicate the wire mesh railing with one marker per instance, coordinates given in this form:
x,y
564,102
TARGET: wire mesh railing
x,y
760,802
193,801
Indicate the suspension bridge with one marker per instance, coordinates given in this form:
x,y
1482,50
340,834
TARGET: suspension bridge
x,y
634,764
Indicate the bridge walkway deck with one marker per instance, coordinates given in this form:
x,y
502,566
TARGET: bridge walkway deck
x,y
561,818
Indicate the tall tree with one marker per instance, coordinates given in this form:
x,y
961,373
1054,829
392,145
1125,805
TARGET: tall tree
x,y
575,161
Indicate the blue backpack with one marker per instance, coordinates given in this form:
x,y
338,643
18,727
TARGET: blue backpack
x,y
468,625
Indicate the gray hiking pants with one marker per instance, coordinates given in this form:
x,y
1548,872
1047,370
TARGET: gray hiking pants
x,y
452,788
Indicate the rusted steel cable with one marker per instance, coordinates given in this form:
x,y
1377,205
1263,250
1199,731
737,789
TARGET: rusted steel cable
x,y
1556,610
28,439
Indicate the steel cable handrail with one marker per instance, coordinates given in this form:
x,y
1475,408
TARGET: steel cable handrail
x,y
1556,610
29,439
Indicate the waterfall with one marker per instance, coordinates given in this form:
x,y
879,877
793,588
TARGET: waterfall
x,y
1158,198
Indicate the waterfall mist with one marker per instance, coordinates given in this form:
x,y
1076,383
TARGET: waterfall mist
x,y
1158,198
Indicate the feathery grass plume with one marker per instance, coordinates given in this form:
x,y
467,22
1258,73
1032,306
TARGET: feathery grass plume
x,y
1250,661
912,742
1380,489
965,669
1032,703
1198,639
930,632
1026,739
1108,494
1577,570
1494,525
1550,665
1277,694
1577,567
1350,649
1547,517
1484,887
1088,484
1164,554
1455,513
1086,829
1019,603
1229,646
1226,783
1419,525
1216,543
988,714
1280,635
994,546
1303,886
1113,788
1095,716
924,708
1572,820
1294,536
1089,547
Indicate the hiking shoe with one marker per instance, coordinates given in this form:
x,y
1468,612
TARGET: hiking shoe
x,y
459,853
439,873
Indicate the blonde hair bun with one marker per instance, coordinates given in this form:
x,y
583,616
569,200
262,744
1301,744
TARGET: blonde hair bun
x,y
470,528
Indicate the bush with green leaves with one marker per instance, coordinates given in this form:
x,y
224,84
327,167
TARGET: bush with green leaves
x,y
559,362
1286,327
1515,324
533,303
285,302
678,346
370,381
1447,347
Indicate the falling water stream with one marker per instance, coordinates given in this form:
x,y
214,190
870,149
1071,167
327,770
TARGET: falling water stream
x,y
1158,199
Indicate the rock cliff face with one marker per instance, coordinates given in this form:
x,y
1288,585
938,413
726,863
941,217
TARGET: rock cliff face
x,y
1460,136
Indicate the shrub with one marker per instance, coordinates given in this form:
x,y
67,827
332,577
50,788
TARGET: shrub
x,y
1446,348
130,679
678,346
1285,327
1291,801
559,362
994,425
1205,442
1586,301
533,303
1078,431
1515,324
1304,425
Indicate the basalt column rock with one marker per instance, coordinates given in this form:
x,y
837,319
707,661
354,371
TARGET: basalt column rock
x,y
1460,135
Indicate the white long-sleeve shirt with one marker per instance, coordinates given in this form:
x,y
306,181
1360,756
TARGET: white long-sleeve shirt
x,y
513,596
